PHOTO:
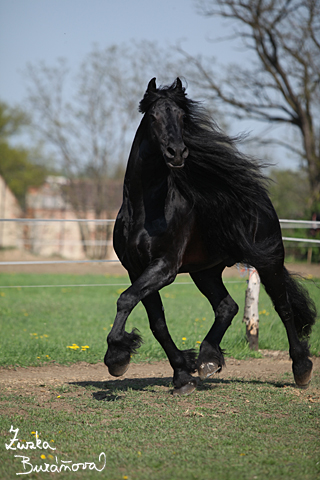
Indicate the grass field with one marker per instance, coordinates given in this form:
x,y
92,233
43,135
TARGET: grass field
x,y
226,430
39,325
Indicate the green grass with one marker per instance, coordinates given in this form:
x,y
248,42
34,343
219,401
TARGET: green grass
x,y
38,324
227,430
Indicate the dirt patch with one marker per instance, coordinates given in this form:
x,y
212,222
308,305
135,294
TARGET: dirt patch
x,y
270,368
112,268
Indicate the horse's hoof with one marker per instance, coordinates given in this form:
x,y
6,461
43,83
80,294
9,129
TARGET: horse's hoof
x,y
303,381
186,389
118,370
207,369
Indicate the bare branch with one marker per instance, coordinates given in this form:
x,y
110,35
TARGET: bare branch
x,y
282,85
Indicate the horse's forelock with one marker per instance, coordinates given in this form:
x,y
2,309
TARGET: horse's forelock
x,y
171,92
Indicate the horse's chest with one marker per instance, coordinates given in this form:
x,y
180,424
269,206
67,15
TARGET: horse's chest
x,y
154,208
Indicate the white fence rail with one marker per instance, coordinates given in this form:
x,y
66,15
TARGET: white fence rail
x,y
306,224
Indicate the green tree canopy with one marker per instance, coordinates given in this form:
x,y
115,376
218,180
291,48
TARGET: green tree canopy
x,y
17,165
290,193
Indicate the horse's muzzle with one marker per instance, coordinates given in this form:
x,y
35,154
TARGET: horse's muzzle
x,y
175,156
175,164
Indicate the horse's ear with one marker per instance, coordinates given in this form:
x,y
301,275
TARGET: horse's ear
x,y
179,84
148,96
152,87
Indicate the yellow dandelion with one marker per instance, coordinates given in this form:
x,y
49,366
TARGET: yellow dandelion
x,y
74,346
45,336
50,456
184,339
198,341
59,396
2,294
43,457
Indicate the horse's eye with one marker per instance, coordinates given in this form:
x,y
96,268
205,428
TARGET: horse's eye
x,y
152,117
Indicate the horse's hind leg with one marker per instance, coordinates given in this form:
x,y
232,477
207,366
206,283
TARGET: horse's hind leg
x,y
183,362
297,313
210,284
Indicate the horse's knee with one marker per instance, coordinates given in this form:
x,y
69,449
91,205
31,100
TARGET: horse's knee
x,y
125,303
226,310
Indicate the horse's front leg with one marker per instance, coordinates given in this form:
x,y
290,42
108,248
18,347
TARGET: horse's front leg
x,y
121,344
183,362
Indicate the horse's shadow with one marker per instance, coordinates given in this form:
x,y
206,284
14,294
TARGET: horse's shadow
x,y
114,390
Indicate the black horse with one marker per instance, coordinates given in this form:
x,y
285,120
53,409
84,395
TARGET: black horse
x,y
193,203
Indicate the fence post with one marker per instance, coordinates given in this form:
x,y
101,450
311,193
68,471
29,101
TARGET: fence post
x,y
251,309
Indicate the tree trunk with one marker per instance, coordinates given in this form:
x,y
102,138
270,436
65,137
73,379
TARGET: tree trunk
x,y
251,309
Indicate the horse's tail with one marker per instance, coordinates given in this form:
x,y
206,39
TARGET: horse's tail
x,y
303,307
269,253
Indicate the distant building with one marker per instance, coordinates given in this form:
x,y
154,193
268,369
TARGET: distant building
x,y
70,240
10,232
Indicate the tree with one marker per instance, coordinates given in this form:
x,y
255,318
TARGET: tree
x,y
17,164
282,84
289,192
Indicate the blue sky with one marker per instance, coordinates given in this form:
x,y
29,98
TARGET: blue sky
x,y
35,30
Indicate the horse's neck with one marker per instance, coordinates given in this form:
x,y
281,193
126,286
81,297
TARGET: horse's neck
x,y
146,169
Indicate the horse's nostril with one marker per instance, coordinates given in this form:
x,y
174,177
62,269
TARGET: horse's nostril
x,y
171,152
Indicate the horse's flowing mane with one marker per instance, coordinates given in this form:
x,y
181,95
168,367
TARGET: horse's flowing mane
x,y
222,183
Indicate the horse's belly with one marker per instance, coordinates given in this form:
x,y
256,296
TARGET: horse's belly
x,y
196,255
